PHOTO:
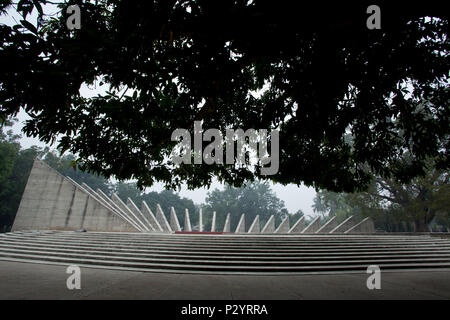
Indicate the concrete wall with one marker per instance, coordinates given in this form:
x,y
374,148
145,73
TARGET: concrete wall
x,y
51,201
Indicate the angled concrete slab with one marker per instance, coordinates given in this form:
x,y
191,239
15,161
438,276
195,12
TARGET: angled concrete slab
x,y
116,199
213,222
269,227
240,228
313,226
162,219
328,226
298,226
344,226
187,221
120,209
115,209
85,188
145,209
174,223
255,227
51,201
138,213
284,226
111,203
365,226
99,198
226,226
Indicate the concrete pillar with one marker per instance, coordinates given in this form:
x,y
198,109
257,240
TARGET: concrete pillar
x,y
130,213
91,192
344,226
365,226
187,221
126,213
213,222
100,199
284,226
162,219
298,226
174,223
139,214
151,217
200,220
313,226
226,226
241,225
255,227
269,227
118,209
94,194
328,226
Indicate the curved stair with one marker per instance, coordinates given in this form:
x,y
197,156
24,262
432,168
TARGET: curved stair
x,y
227,253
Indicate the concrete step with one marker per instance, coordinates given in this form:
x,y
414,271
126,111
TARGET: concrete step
x,y
241,261
244,269
299,255
253,255
299,242
221,254
222,237
249,249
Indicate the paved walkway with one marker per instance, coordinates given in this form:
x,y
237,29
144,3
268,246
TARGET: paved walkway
x,y
39,281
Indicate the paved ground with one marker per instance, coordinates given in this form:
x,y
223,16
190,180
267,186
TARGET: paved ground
x,y
39,281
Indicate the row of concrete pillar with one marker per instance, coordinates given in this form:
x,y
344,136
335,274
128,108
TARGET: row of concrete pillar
x,y
51,200
145,220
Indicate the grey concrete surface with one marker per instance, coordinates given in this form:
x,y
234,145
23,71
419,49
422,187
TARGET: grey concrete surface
x,y
255,227
174,223
328,226
200,220
187,221
213,222
151,217
269,227
52,201
162,220
241,225
365,226
298,226
132,206
313,226
345,225
226,226
41,281
284,226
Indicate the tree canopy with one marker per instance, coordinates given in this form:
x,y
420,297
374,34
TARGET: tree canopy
x,y
314,71
394,206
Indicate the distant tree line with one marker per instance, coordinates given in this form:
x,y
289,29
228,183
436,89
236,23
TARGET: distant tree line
x,y
15,166
419,206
